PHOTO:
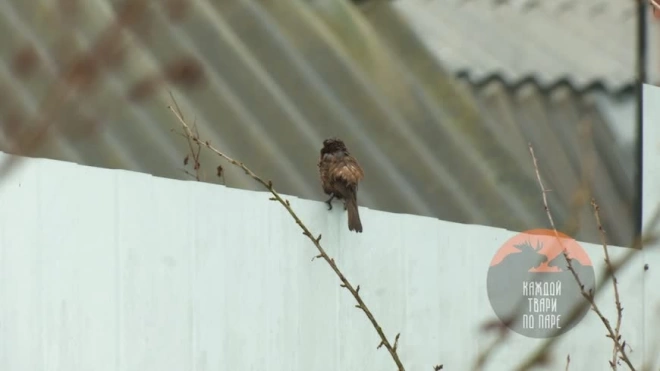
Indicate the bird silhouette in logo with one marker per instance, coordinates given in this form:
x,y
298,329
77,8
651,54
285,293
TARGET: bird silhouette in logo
x,y
340,174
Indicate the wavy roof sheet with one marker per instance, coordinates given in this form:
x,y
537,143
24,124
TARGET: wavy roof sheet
x,y
584,43
267,81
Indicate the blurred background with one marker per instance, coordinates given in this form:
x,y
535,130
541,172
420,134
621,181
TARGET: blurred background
x,y
437,99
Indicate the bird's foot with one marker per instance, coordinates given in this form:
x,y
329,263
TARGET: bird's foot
x,y
329,202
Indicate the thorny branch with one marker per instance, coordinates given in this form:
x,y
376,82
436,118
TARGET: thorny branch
x,y
195,151
617,300
540,355
589,296
577,203
392,349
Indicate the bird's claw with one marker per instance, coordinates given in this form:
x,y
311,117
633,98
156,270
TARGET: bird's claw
x,y
329,202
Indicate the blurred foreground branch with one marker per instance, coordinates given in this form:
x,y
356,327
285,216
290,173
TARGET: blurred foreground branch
x,y
614,334
75,76
655,4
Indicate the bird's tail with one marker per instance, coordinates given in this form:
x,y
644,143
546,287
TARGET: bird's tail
x,y
354,223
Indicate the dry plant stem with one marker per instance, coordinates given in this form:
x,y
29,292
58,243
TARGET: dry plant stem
x,y
568,361
540,354
578,202
315,240
195,154
655,4
617,300
67,83
648,239
589,296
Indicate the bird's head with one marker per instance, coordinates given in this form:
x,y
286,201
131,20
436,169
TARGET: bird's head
x,y
333,145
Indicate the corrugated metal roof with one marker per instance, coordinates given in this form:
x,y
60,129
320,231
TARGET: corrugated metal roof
x,y
566,130
584,43
267,82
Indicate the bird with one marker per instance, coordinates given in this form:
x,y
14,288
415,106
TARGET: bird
x,y
340,174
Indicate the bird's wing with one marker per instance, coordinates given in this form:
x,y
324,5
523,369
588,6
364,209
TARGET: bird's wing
x,y
348,171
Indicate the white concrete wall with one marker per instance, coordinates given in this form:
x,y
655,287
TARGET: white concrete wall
x,y
113,270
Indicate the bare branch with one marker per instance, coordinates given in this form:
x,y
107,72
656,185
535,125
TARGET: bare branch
x,y
191,143
316,241
617,300
589,296
539,355
655,4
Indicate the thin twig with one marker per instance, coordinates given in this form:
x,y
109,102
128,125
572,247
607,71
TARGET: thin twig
x,y
197,165
650,238
589,296
608,263
315,240
543,190
540,354
568,361
189,173
579,200
191,147
655,4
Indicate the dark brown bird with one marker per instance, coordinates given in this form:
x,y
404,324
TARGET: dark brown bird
x,y
340,174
